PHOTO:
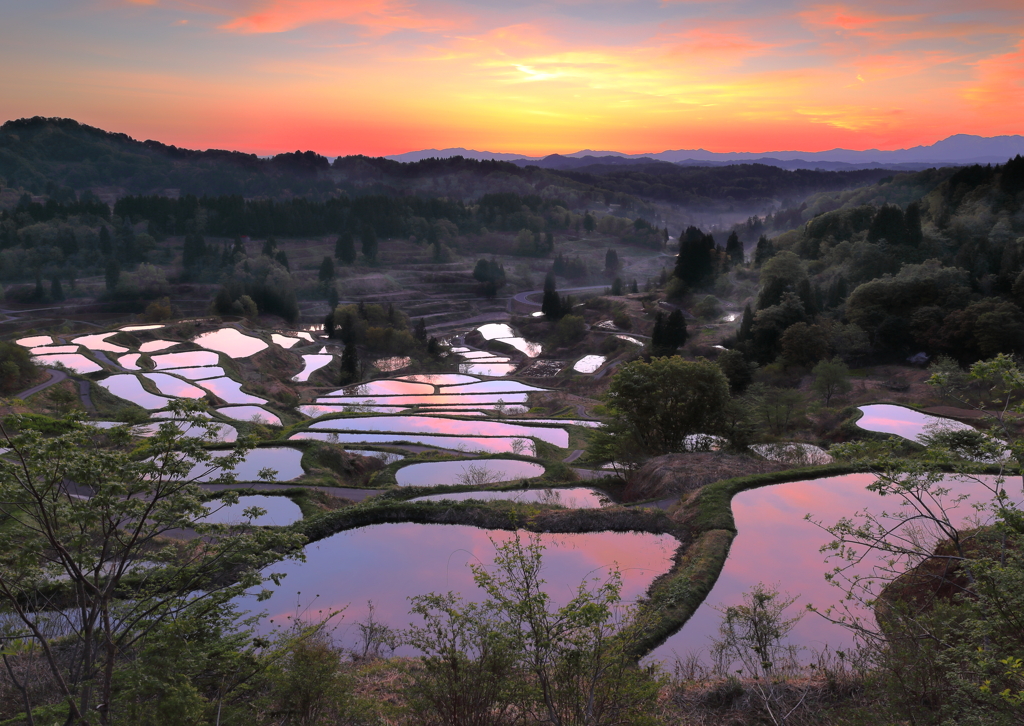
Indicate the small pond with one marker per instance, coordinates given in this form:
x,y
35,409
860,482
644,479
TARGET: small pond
x,y
283,340
286,461
130,361
229,390
482,355
630,339
905,422
487,369
484,445
281,511
250,413
776,546
439,379
35,340
447,426
196,374
477,472
432,400
172,386
231,342
155,345
385,388
186,359
128,387
530,350
72,361
570,498
99,342
318,409
492,331
589,364
50,349
311,364
490,387
389,563
136,328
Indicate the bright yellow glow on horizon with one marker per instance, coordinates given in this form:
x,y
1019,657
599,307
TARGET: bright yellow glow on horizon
x,y
387,76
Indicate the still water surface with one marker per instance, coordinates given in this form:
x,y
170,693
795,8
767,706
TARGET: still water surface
x,y
389,563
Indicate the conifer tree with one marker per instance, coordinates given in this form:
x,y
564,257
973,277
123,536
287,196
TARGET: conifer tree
x,y
734,249
369,240
326,273
345,248
349,363
912,220
746,323
550,303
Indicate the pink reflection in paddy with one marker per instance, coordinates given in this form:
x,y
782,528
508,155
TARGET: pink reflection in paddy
x,y
448,426
493,445
439,379
186,359
906,422
385,388
776,546
389,563
436,400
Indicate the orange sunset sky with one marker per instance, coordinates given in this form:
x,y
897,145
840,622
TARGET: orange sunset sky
x,y
388,76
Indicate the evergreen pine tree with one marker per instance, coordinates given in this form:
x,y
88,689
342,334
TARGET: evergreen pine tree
x,y
617,286
269,246
326,273
56,290
282,260
369,240
764,251
329,324
746,323
421,330
634,288
550,304
345,248
349,364
912,220
675,333
611,260
734,249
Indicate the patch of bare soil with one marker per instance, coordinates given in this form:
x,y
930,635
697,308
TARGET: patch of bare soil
x,y
677,474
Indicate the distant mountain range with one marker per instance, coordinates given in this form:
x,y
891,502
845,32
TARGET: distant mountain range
x,y
960,149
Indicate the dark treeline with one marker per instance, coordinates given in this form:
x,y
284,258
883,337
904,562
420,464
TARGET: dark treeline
x,y
388,216
688,185
38,153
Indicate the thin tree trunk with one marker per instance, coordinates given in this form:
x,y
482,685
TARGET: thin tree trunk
x,y
22,689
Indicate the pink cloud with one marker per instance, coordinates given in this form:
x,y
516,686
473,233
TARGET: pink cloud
x,y
278,16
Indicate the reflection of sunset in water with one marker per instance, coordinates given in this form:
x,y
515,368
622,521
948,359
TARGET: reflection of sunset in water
x,y
447,426
388,563
900,421
776,546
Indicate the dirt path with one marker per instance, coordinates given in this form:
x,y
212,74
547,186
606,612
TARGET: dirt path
x,y
55,377
85,397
